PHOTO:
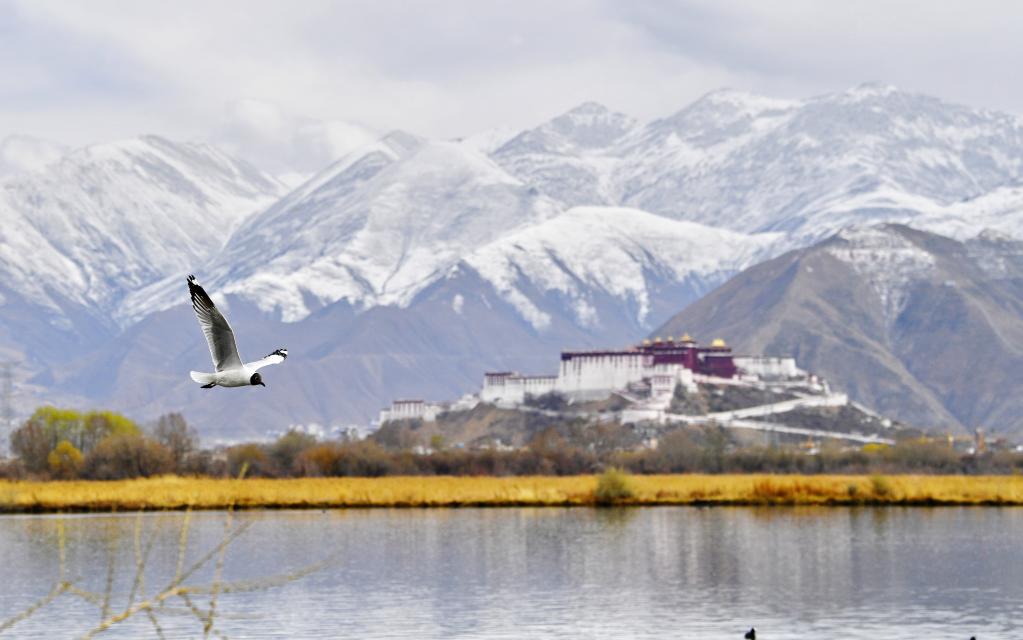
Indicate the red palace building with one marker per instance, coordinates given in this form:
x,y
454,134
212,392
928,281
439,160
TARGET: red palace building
x,y
715,360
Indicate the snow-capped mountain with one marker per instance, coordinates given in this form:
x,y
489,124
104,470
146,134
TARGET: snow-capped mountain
x,y
625,255
795,167
806,168
375,229
381,225
108,219
573,157
409,266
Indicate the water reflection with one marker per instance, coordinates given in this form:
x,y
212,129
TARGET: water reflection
x,y
560,573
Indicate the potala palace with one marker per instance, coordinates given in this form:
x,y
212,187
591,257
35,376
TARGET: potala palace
x,y
646,375
653,368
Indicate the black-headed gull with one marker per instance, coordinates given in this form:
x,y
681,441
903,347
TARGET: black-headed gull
x,y
230,372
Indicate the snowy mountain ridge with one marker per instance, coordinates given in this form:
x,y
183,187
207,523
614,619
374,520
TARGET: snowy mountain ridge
x,y
386,221
384,240
407,255
803,167
614,251
108,219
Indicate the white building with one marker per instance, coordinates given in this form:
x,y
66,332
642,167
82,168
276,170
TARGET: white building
x,y
425,411
589,376
508,387
648,374
768,367
411,409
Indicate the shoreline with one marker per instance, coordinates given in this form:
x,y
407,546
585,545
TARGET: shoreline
x,y
178,493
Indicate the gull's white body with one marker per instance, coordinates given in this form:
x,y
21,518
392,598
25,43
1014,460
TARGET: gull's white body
x,y
230,372
237,377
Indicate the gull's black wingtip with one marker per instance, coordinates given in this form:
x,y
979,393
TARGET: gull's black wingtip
x,y
282,352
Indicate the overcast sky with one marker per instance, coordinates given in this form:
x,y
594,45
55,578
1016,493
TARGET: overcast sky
x,y
259,75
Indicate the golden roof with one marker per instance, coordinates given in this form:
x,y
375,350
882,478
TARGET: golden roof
x,y
646,342
718,342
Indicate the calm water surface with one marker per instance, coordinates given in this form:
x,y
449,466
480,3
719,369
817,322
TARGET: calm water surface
x,y
541,573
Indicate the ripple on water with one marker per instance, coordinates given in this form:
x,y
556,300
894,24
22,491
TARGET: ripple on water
x,y
548,573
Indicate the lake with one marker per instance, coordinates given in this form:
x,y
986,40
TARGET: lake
x,y
660,572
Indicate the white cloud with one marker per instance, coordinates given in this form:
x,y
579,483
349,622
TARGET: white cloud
x,y
19,154
286,144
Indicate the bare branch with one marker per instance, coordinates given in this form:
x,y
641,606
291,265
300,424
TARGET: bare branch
x,y
183,543
155,622
109,588
141,557
39,604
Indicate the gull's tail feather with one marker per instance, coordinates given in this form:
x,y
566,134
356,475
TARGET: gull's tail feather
x,y
201,378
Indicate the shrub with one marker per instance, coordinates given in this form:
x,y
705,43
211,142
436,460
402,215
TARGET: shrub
x,y
48,426
321,460
550,401
250,458
202,463
368,459
65,461
398,434
880,486
286,449
612,487
12,470
174,433
127,456
31,443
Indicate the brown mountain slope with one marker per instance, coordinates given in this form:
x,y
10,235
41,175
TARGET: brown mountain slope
x,y
917,326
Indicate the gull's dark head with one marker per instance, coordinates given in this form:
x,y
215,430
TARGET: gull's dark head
x,y
256,379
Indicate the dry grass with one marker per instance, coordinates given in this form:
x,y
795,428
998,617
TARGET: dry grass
x,y
172,492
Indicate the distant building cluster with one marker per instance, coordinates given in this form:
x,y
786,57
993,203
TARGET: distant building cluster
x,y
646,372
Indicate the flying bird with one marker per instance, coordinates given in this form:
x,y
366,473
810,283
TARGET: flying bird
x,y
229,370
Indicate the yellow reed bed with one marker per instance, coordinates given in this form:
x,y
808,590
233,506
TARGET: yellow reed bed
x,y
172,492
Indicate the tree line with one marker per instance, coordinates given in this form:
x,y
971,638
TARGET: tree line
x,y
64,444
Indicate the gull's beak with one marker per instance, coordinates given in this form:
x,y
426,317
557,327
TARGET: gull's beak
x,y
261,384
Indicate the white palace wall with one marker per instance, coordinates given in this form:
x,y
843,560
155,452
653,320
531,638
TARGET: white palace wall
x,y
595,375
769,367
587,377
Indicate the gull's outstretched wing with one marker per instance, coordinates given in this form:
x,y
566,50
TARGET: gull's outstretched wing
x,y
276,357
214,325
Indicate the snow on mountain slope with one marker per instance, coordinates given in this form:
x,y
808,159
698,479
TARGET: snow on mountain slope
x,y
568,157
374,230
621,253
745,163
886,259
490,140
110,218
32,266
806,168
